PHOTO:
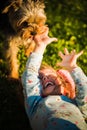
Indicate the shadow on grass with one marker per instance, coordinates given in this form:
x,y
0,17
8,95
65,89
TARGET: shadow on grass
x,y
12,112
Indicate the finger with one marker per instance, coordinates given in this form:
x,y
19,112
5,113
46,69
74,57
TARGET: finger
x,y
53,39
66,51
73,51
42,35
59,64
37,38
45,33
80,53
61,54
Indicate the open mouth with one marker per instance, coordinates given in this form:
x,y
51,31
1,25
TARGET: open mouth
x,y
48,84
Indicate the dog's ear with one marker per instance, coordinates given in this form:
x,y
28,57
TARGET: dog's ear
x,y
13,4
42,1
39,0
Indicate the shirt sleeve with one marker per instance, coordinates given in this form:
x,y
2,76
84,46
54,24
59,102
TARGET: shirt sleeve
x,y
81,89
31,82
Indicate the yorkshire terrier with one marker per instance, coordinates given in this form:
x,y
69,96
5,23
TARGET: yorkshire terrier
x,y
27,18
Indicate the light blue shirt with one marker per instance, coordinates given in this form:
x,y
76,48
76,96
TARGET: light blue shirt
x,y
53,112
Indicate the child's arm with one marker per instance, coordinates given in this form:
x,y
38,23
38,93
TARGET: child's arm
x,y
30,76
69,63
81,89
30,80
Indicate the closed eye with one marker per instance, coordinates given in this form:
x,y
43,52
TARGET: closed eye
x,y
40,77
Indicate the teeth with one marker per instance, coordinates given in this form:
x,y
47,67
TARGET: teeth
x,y
48,83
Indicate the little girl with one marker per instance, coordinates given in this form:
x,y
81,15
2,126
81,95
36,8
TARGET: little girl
x,y
60,79
46,104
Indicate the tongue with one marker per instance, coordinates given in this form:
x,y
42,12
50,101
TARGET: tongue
x,y
70,87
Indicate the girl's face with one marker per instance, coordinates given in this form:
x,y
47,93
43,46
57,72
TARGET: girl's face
x,y
51,84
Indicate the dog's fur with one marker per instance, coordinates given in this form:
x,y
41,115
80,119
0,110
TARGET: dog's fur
x,y
25,18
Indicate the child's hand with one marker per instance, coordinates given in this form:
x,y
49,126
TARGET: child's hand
x,y
43,38
69,59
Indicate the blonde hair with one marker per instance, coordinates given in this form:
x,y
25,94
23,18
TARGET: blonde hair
x,y
46,66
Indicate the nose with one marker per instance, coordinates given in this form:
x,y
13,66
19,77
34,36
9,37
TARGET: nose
x,y
45,78
33,33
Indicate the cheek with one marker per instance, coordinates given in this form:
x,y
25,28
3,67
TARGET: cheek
x,y
60,87
58,81
62,90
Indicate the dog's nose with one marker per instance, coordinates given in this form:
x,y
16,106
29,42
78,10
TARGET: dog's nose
x,y
33,33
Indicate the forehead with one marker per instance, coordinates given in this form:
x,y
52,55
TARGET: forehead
x,y
48,72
